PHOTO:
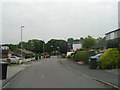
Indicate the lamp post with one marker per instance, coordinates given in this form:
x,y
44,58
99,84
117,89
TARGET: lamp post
x,y
21,39
52,50
57,51
43,49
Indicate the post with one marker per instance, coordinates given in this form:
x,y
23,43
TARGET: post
x,y
43,48
21,41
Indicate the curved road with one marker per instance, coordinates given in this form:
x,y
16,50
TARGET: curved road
x,y
48,73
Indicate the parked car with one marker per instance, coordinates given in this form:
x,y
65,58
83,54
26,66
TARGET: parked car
x,y
93,61
47,56
14,59
96,57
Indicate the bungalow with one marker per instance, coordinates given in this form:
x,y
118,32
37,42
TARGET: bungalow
x,y
24,52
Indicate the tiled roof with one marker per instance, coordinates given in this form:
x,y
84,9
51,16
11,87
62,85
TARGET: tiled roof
x,y
26,51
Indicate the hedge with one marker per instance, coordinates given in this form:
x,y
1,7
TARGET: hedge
x,y
83,56
110,59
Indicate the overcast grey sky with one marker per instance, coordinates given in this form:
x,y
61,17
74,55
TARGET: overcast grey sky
x,y
58,19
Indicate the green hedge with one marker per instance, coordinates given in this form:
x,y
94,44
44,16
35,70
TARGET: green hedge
x,y
110,59
83,56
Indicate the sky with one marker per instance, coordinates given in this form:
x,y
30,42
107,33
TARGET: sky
x,y
56,19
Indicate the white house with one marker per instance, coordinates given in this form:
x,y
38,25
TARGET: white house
x,y
77,46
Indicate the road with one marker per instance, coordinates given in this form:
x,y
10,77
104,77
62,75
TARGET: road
x,y
48,73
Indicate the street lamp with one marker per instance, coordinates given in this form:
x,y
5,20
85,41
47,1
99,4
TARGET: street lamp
x,y
43,48
57,50
51,47
21,39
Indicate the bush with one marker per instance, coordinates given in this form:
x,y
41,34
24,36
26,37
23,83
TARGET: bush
x,y
29,56
83,56
110,59
70,56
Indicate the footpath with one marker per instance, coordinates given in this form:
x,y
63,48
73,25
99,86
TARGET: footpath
x,y
108,77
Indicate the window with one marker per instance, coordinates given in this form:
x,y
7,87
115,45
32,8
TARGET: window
x,y
108,37
119,33
112,35
116,34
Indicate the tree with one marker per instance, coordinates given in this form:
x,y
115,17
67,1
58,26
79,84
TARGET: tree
x,y
98,39
35,45
24,45
53,45
63,49
11,46
70,42
89,42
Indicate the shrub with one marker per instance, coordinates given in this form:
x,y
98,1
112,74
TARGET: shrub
x,y
110,59
83,56
70,56
29,56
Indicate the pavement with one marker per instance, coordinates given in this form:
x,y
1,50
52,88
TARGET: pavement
x,y
108,77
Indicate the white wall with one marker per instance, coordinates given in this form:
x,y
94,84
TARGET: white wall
x,y
77,46
4,47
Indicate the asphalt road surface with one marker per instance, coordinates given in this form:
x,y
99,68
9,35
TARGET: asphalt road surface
x,y
48,73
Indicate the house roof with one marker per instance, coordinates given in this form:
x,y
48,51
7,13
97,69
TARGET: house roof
x,y
11,52
25,51
112,31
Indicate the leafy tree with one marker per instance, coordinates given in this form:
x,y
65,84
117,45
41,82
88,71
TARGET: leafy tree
x,y
11,46
63,49
70,42
98,39
53,45
35,45
24,45
89,42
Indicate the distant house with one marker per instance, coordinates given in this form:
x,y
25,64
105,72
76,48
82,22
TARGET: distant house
x,y
113,38
77,45
24,52
4,52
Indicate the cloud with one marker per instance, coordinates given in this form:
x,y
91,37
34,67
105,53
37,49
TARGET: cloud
x,y
45,20
59,1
